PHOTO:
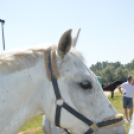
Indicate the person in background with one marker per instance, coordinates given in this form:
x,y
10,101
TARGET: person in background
x,y
133,81
127,98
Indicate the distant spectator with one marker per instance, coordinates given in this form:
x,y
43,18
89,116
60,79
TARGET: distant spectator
x,y
127,97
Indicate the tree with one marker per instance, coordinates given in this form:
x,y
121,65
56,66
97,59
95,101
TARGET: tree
x,y
130,66
98,66
93,68
98,73
110,71
107,74
121,74
117,64
104,64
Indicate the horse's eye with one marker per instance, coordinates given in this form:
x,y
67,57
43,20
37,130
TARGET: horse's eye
x,y
86,85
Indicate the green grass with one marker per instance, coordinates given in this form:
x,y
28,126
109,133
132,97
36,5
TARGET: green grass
x,y
32,127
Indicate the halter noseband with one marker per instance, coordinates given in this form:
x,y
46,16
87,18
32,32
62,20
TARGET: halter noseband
x,y
117,120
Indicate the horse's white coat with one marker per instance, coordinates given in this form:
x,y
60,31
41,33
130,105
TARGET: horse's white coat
x,y
25,92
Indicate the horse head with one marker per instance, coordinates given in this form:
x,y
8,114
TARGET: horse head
x,y
76,93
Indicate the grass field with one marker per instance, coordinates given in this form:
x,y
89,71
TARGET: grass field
x,y
34,126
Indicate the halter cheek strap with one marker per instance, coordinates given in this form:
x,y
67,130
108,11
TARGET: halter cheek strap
x,y
60,103
59,98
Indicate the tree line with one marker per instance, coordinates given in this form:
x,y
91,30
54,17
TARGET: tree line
x,y
112,71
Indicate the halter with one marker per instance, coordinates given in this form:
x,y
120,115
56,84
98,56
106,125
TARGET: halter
x,y
94,127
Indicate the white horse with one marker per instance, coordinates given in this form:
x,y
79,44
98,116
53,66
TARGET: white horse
x,y
26,90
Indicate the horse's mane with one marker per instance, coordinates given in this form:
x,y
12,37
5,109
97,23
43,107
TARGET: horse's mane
x,y
16,60
118,81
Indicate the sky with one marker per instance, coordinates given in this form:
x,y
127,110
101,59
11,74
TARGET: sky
x,y
107,26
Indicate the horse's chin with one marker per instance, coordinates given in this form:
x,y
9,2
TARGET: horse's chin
x,y
114,130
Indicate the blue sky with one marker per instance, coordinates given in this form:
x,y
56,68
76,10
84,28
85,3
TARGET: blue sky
x,y
107,26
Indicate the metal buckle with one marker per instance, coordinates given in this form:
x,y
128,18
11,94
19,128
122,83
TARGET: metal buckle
x,y
95,128
59,102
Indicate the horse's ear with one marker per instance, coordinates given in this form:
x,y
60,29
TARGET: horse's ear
x,y
65,43
75,39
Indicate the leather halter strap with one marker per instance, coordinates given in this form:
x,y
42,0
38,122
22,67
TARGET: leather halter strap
x,y
92,125
58,97
53,79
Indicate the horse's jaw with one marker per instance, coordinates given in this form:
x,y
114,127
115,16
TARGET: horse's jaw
x,y
114,130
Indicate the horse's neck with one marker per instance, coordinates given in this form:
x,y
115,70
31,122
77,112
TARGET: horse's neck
x,y
19,94
117,83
